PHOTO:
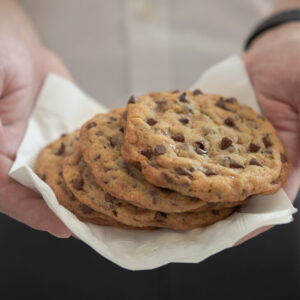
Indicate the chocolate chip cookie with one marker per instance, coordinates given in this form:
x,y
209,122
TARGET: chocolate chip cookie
x,y
204,146
101,140
81,182
49,169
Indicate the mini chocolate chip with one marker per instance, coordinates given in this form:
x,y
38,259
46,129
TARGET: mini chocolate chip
x,y
183,171
283,158
91,125
133,99
184,121
167,178
109,198
229,122
78,183
99,133
125,115
221,104
175,91
197,92
161,102
122,129
254,147
154,195
97,157
236,165
191,111
231,100
267,142
160,216
255,162
201,144
183,98
179,137
209,172
44,177
268,151
85,209
160,149
225,143
147,152
151,121
114,141
115,213
113,118
61,149
200,151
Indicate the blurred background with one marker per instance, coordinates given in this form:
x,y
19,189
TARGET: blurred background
x,y
114,49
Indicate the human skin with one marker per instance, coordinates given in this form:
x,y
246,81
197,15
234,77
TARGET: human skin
x,y
24,64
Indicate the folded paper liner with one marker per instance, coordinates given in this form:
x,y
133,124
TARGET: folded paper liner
x,y
62,107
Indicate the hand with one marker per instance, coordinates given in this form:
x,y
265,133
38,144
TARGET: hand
x,y
24,64
273,65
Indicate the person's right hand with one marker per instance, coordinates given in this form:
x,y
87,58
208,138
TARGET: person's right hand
x,y
24,64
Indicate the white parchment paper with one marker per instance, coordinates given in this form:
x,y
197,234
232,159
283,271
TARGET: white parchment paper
x,y
63,107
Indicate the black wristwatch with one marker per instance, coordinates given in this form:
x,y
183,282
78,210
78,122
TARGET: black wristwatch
x,y
271,22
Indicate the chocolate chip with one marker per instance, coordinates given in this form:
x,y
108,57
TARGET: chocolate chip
x,y
183,171
184,121
44,177
200,151
283,158
85,209
114,141
160,216
225,143
151,121
175,91
221,104
91,125
231,100
254,147
197,92
122,129
167,178
97,157
229,122
209,172
236,165
125,115
161,102
179,137
109,198
255,162
61,149
201,144
133,99
183,98
160,149
78,183
99,133
267,141
154,195
147,152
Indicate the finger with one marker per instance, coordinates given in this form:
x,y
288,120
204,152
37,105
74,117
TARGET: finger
x,y
253,234
26,206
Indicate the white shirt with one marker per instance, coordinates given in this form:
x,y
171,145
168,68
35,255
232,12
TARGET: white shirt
x,y
115,48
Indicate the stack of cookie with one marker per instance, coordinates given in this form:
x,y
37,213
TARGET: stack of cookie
x,y
177,160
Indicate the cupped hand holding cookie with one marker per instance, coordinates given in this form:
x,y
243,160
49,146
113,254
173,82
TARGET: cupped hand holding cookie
x,y
24,63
